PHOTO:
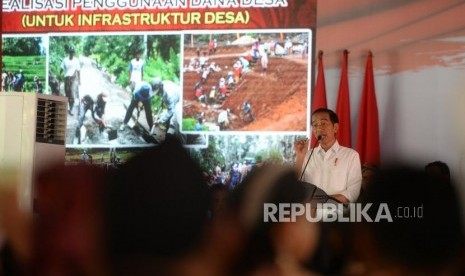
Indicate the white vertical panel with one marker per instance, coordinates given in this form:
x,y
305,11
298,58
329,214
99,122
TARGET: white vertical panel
x,y
11,117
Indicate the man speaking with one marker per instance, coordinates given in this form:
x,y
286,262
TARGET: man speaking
x,y
333,168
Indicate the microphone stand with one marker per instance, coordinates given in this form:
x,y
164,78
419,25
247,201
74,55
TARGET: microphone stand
x,y
308,160
306,164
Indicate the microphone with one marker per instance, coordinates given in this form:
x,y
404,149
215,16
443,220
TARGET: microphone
x,y
321,194
318,138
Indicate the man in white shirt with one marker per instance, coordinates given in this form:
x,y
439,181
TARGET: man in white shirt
x,y
223,119
333,168
71,68
136,69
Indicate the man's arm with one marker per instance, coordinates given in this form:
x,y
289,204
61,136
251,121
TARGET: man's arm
x,y
130,72
169,100
142,71
354,179
340,197
170,105
97,120
59,75
63,66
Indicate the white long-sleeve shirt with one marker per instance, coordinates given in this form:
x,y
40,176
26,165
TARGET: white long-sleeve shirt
x,y
336,171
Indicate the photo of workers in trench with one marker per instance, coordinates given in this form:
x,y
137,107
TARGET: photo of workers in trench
x,y
246,81
122,90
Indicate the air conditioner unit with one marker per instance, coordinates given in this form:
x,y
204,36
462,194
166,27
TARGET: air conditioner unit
x,y
32,136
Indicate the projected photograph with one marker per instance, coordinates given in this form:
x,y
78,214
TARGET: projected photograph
x,y
244,152
24,63
122,89
248,81
108,158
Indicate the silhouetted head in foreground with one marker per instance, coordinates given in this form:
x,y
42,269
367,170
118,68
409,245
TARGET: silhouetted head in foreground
x,y
156,208
439,170
67,223
425,234
272,247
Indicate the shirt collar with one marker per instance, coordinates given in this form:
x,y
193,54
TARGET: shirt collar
x,y
335,148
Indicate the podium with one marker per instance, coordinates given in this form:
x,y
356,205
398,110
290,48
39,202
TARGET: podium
x,y
317,195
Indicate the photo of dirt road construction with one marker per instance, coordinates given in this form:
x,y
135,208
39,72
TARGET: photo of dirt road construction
x,y
246,81
122,90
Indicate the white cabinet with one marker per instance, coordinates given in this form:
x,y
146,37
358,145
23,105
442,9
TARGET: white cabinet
x,y
32,136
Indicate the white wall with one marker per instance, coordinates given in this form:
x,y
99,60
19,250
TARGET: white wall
x,y
419,78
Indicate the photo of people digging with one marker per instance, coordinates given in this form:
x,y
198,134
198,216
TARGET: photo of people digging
x,y
246,82
122,90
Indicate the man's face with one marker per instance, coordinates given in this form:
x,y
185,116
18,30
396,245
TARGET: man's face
x,y
322,125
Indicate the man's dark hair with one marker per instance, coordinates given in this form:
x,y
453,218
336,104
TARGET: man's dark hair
x,y
441,166
217,187
157,85
71,49
283,187
332,115
156,205
430,239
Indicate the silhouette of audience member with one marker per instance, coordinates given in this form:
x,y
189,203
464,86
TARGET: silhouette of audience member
x,y
425,235
439,170
219,193
156,210
333,249
368,172
67,228
15,226
273,248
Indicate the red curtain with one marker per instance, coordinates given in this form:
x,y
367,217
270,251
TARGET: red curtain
x,y
368,124
344,133
319,97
